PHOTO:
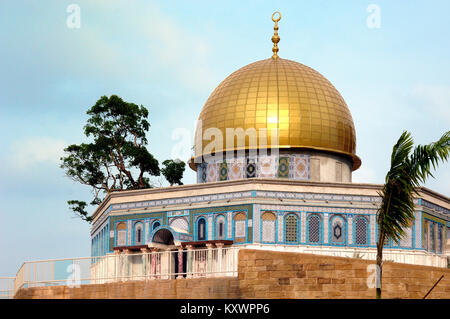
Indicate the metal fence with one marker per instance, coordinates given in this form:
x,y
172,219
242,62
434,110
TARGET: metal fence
x,y
73,272
6,287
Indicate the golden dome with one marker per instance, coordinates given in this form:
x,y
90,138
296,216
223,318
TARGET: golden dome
x,y
278,93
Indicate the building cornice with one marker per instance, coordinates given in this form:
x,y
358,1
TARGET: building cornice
x,y
252,182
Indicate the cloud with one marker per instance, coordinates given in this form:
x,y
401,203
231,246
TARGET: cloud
x,y
179,51
435,99
30,151
364,175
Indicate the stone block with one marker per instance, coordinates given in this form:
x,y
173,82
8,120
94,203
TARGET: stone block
x,y
326,266
284,281
324,280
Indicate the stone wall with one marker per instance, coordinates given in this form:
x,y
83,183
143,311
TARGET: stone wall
x,y
267,274
200,288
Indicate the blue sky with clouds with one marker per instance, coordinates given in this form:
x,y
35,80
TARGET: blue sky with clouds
x,y
169,56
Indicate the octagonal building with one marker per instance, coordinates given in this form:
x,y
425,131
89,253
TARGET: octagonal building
x,y
274,153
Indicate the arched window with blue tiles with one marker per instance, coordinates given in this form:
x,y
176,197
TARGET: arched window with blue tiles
x,y
432,237
361,231
291,233
268,220
121,233
440,238
425,235
201,229
338,230
240,231
314,225
156,224
138,233
220,227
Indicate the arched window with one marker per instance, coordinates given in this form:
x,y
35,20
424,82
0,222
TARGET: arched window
x,y
425,235
201,229
121,231
268,227
337,230
103,241
406,241
432,237
314,233
240,233
155,225
440,239
361,231
220,227
138,233
179,223
291,229
107,238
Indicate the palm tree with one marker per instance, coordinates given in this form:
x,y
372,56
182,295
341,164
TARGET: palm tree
x,y
407,172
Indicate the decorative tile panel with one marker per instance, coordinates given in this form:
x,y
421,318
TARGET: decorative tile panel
x,y
210,228
301,167
350,230
212,173
406,241
146,231
267,167
268,231
204,171
230,223
129,232
223,171
334,210
373,222
250,168
239,230
236,169
303,229
179,222
256,217
280,227
418,228
325,228
283,167
337,230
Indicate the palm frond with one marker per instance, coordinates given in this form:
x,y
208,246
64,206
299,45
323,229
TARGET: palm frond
x,y
405,175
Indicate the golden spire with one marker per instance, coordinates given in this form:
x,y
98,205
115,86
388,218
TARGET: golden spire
x,y
276,37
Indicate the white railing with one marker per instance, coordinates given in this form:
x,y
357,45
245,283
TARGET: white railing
x,y
396,255
217,262
6,287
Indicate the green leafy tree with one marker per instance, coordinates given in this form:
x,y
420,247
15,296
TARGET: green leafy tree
x,y
117,157
408,170
173,171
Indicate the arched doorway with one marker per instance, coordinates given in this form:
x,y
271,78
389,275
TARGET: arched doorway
x,y
163,236
169,260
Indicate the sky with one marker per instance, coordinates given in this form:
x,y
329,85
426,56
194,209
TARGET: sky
x,y
391,65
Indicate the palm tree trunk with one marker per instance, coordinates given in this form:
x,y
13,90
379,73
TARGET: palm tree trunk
x,y
379,268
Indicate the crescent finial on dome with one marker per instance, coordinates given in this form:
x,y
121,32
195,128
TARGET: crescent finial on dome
x,y
275,37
